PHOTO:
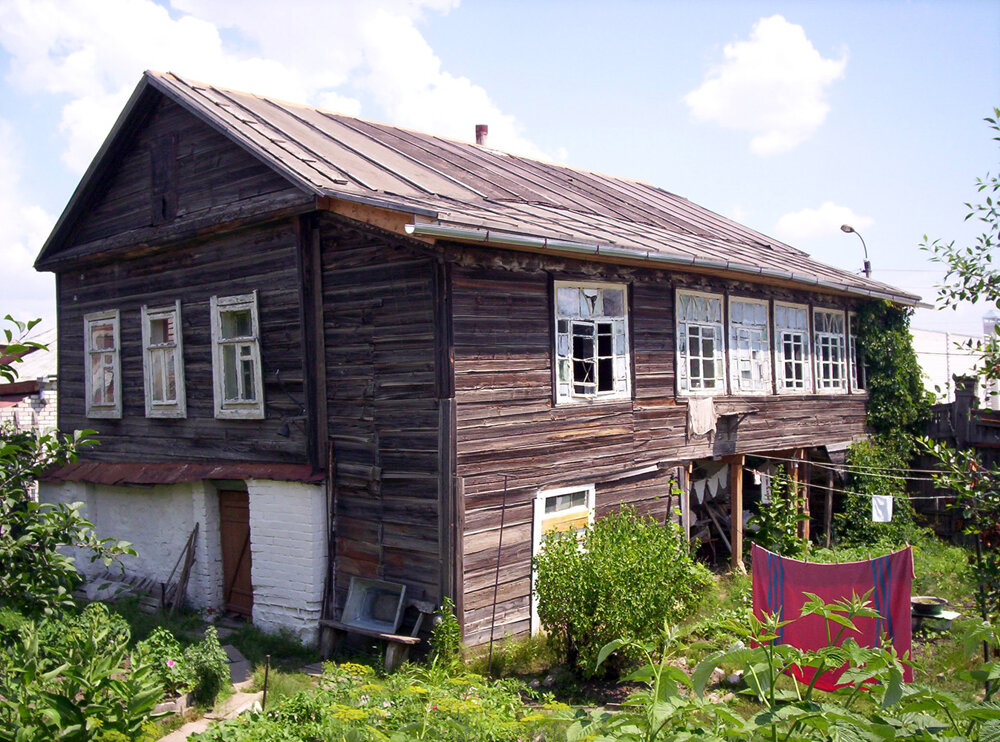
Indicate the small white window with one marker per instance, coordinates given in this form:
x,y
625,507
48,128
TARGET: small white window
x,y
591,341
564,509
749,347
163,361
104,373
700,345
791,334
831,366
856,358
236,366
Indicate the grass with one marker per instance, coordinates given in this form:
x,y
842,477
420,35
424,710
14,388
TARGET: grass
x,y
285,649
281,684
515,657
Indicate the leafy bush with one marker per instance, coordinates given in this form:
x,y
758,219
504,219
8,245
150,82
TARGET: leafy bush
x,y
163,653
446,636
777,521
625,577
354,704
210,665
77,684
874,703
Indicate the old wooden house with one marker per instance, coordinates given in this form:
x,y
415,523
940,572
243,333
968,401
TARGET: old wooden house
x,y
344,349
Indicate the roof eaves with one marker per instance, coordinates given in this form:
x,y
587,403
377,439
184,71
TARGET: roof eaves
x,y
466,234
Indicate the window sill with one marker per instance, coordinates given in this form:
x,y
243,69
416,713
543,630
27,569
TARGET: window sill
x,y
592,401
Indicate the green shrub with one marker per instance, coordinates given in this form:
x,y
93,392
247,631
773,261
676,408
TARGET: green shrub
x,y
163,653
76,682
446,636
777,521
626,577
210,665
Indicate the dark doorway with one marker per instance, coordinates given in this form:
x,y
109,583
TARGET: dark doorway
x,y
234,517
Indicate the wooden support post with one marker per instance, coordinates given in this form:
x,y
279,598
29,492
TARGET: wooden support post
x,y
794,484
828,511
806,475
736,512
686,501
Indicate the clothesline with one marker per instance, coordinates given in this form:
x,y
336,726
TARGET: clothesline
x,y
847,492
838,467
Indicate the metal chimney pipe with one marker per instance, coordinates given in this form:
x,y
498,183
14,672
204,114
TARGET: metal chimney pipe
x,y
481,131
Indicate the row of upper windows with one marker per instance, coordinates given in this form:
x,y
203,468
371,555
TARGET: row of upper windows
x,y
762,352
236,365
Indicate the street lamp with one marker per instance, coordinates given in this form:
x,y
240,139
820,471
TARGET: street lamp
x,y
851,230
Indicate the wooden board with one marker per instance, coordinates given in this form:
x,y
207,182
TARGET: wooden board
x,y
234,524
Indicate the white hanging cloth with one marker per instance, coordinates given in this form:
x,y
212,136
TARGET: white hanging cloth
x,y
881,508
701,416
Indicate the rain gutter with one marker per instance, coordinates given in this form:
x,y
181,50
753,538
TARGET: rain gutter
x,y
546,244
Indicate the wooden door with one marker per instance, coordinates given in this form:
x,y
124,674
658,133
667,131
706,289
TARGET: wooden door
x,y
234,521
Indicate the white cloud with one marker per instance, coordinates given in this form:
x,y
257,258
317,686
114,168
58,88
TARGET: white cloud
x,y
26,294
93,53
811,224
772,85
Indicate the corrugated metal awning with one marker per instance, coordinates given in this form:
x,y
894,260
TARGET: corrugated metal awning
x,y
118,473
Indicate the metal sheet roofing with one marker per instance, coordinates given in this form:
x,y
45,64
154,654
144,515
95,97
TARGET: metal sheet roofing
x,y
464,185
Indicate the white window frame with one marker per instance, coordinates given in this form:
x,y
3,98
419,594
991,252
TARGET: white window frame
x,y
718,332
562,353
779,351
168,408
537,528
835,341
112,363
237,409
855,361
741,350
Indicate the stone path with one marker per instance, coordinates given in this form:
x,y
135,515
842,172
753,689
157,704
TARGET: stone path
x,y
241,675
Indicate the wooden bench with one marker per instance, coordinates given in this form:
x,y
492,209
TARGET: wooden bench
x,y
397,646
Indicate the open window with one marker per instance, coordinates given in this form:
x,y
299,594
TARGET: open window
x,y
831,361
749,346
793,363
163,361
591,341
700,344
102,378
236,364
563,509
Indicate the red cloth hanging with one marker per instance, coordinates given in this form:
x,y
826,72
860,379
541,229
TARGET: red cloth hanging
x,y
780,584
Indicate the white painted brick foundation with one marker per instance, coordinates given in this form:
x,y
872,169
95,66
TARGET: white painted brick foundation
x,y
288,535
157,521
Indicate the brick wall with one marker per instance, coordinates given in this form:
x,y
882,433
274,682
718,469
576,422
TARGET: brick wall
x,y
288,537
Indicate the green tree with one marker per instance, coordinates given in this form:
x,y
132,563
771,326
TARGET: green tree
x,y
972,276
36,575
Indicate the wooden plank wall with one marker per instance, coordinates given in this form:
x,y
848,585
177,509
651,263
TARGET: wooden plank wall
x,y
507,423
262,258
209,171
382,397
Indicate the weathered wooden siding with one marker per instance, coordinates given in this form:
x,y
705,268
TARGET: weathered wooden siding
x,y
382,397
208,171
262,259
508,425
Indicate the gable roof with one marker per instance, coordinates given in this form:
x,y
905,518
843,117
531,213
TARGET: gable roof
x,y
464,192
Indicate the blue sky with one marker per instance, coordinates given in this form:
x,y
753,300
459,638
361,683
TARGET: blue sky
x,y
792,117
